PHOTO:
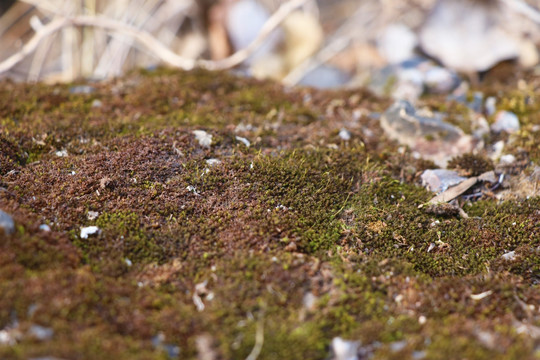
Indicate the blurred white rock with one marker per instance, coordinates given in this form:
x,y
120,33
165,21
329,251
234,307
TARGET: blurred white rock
x,y
396,43
469,35
426,133
204,138
491,105
344,349
439,180
505,121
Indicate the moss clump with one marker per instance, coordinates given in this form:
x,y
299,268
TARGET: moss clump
x,y
470,164
122,237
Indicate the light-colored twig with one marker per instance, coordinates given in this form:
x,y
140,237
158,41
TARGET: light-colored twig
x,y
328,52
241,55
144,38
259,339
150,42
337,43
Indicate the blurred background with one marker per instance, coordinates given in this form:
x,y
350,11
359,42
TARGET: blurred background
x,y
406,45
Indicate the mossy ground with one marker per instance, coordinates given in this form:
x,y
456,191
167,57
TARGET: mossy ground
x,y
298,215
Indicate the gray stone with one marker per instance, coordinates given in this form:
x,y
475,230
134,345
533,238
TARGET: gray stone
x,y
491,105
41,332
439,80
397,43
344,349
468,35
505,121
426,134
82,89
7,223
439,180
325,77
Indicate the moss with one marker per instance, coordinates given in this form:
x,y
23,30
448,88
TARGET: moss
x,y
301,233
129,240
471,164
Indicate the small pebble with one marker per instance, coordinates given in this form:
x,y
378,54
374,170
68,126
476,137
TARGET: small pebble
x,y
509,256
325,77
204,138
212,162
309,301
44,227
61,153
7,223
398,346
97,103
491,105
439,80
41,332
89,230
507,159
83,89
439,180
344,349
92,215
505,121
497,150
243,140
397,43
344,134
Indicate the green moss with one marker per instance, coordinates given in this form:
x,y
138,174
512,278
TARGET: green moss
x,y
127,239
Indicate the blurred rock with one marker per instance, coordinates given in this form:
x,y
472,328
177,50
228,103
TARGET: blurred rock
x,y
89,230
475,104
409,79
397,346
439,80
203,138
468,35
505,121
426,134
41,332
325,77
509,256
396,43
6,223
344,349
97,103
439,180
83,89
491,105
508,159
344,134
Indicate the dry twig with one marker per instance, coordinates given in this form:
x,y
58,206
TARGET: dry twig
x,y
150,42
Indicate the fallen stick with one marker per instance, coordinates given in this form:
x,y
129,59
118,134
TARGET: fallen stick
x,y
453,192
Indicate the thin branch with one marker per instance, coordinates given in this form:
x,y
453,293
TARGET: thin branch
x,y
150,42
241,55
146,39
259,339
